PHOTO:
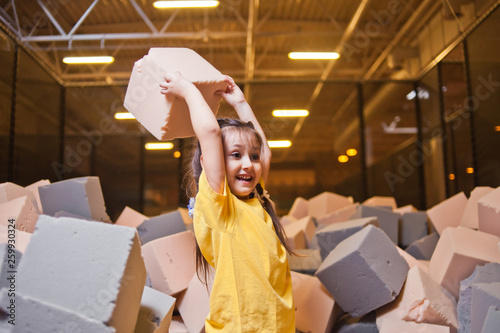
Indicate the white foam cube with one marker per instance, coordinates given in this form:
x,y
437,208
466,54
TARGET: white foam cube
x,y
492,321
155,313
327,202
161,226
167,117
339,215
300,208
363,272
489,212
470,216
448,213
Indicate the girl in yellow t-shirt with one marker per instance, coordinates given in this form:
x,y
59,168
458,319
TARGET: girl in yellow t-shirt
x,y
236,228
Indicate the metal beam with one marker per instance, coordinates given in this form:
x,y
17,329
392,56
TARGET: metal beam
x,y
253,11
51,18
143,15
83,17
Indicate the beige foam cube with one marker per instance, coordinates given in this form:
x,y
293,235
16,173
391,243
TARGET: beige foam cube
x,y
170,262
381,201
401,326
34,189
448,213
155,313
327,202
488,208
412,262
470,216
340,215
296,237
300,208
194,304
188,222
167,117
306,224
22,211
458,252
315,309
422,300
10,191
130,218
405,209
177,325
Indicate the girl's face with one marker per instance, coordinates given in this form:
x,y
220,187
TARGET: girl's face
x,y
242,159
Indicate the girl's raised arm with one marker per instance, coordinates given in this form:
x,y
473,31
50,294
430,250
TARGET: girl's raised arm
x,y
205,126
235,97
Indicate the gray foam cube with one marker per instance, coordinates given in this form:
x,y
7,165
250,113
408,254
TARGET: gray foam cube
x,y
91,268
364,324
10,258
423,248
387,220
364,272
80,196
155,313
413,226
161,226
330,236
492,321
36,316
484,295
482,274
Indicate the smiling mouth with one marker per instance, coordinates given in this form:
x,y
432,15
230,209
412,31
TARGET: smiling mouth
x,y
244,178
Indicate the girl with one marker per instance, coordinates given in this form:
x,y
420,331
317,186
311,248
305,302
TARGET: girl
x,y
252,287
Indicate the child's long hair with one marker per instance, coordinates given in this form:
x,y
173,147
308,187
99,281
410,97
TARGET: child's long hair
x,y
194,173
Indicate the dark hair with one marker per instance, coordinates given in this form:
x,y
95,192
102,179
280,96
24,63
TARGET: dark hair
x,y
194,173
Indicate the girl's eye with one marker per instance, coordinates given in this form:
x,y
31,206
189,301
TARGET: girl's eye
x,y
255,157
236,155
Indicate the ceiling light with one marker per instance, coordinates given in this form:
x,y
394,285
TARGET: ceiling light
x,y
89,60
451,176
497,128
124,115
469,170
177,154
279,143
343,158
313,55
351,152
159,145
185,4
290,113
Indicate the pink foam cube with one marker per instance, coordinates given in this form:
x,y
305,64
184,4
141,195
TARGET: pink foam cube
x,y
470,217
448,213
34,189
306,224
20,210
167,117
381,201
488,208
340,215
194,304
130,218
300,208
327,202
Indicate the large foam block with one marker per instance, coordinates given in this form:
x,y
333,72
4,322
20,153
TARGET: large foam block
x,y
387,220
315,309
484,295
306,225
81,196
413,226
33,315
130,218
20,238
400,326
458,252
470,215
90,268
492,321
422,300
381,201
364,272
161,226
307,261
327,202
167,117
170,262
482,274
340,215
489,212
155,313
330,236
448,213
10,191
19,212
34,189
177,325
300,208
424,247
194,303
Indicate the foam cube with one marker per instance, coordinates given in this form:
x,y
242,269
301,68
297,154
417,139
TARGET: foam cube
x,y
492,321
381,201
482,274
9,260
387,220
21,238
80,196
413,226
155,313
63,253
363,272
300,208
488,208
188,222
411,261
22,211
130,218
400,326
296,238
448,213
306,224
423,248
458,252
161,226
364,324
194,303
327,202
330,236
167,117
405,209
470,216
315,309
307,261
34,189
10,191
340,215
422,300
177,325
484,295
170,262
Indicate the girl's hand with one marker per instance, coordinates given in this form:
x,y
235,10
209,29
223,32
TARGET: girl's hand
x,y
175,84
233,94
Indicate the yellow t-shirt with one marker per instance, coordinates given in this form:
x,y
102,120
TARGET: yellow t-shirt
x,y
252,288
